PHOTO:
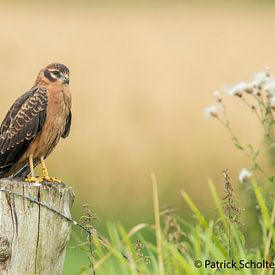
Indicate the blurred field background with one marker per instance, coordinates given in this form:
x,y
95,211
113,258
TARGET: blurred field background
x,y
141,74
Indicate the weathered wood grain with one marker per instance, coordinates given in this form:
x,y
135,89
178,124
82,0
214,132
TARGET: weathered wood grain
x,y
32,238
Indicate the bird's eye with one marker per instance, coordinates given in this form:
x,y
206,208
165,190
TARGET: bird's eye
x,y
56,73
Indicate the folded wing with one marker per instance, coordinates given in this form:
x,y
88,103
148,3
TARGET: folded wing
x,y
21,125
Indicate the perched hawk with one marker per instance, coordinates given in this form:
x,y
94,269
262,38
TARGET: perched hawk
x,y
35,123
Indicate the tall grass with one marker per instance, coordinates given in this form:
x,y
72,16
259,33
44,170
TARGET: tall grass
x,y
205,240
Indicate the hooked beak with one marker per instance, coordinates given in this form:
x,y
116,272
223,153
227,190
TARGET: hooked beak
x,y
65,79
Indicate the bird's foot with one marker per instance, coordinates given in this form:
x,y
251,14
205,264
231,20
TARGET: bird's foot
x,y
33,179
51,179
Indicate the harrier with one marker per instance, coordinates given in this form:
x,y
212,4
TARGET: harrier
x,y
35,123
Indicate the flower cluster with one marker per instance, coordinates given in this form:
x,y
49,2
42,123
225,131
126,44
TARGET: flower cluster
x,y
262,81
258,95
261,87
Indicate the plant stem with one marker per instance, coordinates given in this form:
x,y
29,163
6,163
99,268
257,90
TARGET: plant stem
x,y
157,223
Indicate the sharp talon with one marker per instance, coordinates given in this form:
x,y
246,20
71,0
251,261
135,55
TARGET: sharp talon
x,y
57,180
40,179
51,179
33,179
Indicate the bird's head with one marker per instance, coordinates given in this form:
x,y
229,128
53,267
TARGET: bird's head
x,y
54,73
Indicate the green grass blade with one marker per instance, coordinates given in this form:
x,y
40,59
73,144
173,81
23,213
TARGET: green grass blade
x,y
194,209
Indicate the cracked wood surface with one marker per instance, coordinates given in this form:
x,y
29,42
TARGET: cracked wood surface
x,y
32,238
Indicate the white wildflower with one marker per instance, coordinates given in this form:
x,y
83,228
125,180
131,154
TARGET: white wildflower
x,y
211,111
238,89
244,175
261,78
218,96
269,86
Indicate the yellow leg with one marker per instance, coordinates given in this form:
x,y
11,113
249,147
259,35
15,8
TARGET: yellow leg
x,y
31,166
45,174
32,177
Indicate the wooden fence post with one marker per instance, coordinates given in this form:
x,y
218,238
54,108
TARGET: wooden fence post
x,y
32,237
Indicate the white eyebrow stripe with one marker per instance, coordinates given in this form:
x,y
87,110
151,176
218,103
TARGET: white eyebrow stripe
x,y
53,75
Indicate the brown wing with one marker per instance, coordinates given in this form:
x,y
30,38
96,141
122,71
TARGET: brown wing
x,y
13,111
22,123
67,126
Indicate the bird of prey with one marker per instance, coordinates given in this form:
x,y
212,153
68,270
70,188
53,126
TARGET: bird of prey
x,y
34,125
